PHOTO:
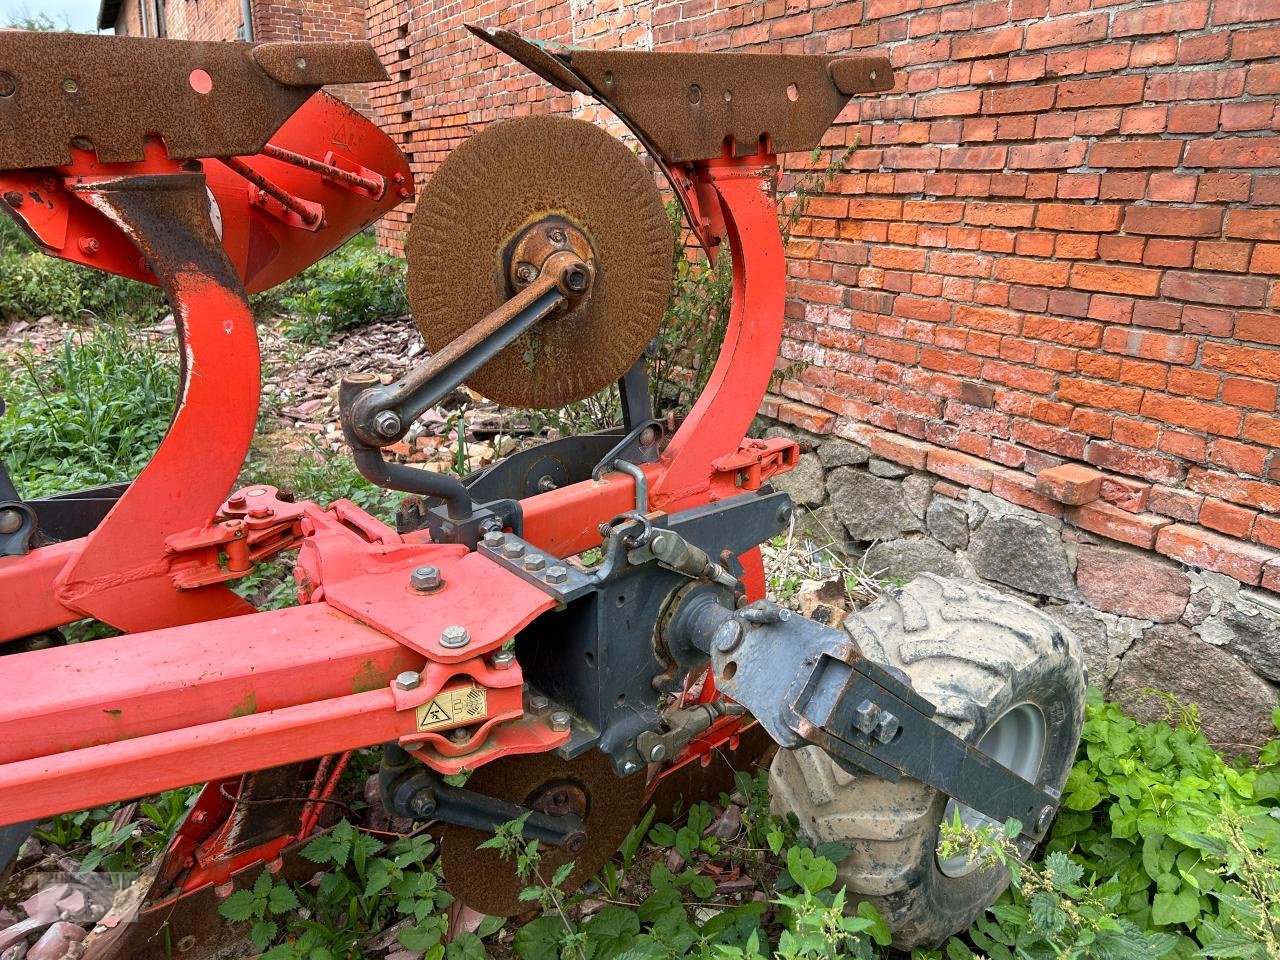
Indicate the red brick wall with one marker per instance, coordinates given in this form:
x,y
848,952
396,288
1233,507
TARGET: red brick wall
x,y
446,85
316,20
203,19
1059,240
308,20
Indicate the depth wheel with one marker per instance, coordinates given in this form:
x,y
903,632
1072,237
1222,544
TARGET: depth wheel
x,y
1001,674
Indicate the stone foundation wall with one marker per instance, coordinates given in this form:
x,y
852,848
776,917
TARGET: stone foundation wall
x,y
1147,622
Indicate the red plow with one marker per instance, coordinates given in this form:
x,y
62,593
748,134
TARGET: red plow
x,y
471,637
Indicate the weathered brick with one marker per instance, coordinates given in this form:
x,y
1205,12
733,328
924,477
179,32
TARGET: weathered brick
x,y
1019,487
1126,494
1140,153
1139,529
1173,221
1211,551
961,468
1110,279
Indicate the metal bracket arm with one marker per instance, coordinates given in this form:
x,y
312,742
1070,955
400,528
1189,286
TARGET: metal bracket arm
x,y
809,684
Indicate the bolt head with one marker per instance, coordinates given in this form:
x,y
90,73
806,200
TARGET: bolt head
x,y
459,735
1044,820
503,660
865,716
560,721
534,562
538,704
728,635
454,637
10,521
657,752
629,767
409,680
494,539
513,550
426,578
387,424
557,574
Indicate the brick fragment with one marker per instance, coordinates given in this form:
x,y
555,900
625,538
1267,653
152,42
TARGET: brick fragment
x,y
1129,495
1071,483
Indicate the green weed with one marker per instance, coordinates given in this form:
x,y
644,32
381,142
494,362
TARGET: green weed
x,y
356,284
92,414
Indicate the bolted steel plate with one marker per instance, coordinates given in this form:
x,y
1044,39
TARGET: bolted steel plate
x,y
505,179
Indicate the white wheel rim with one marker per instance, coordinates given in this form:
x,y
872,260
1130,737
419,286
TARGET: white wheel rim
x,y
1016,741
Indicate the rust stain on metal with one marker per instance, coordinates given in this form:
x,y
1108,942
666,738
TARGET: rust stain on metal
x,y
513,175
692,106
110,94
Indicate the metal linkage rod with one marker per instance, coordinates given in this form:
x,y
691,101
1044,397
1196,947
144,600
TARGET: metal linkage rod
x,y
275,191
374,185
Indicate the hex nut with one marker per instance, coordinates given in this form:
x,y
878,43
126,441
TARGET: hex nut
x,y
557,574
426,578
387,424
560,721
454,637
503,660
887,728
865,716
409,680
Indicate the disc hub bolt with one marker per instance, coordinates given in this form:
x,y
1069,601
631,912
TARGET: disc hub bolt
x,y
557,574
454,637
504,660
409,680
560,721
426,579
387,424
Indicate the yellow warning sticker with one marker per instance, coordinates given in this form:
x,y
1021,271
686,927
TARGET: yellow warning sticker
x,y
459,705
